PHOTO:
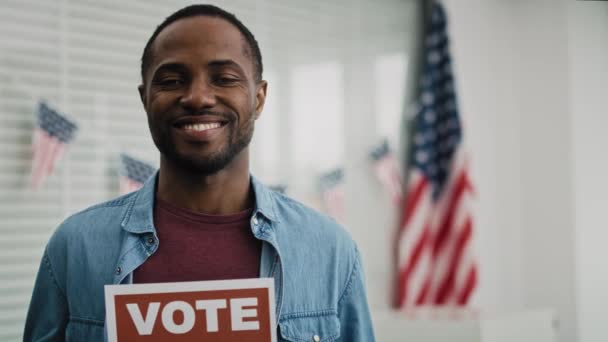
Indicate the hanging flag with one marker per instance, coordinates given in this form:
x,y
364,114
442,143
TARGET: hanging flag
x,y
387,170
436,266
133,173
332,193
52,135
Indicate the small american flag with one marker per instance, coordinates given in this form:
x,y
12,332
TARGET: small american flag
x,y
332,193
133,173
388,172
52,134
436,266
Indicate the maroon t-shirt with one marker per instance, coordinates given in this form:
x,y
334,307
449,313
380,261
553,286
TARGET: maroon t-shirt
x,y
194,246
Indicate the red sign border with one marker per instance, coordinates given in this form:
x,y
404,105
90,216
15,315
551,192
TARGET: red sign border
x,y
191,286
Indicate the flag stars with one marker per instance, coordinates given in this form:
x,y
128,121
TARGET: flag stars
x,y
453,124
435,39
447,68
437,127
429,116
426,82
452,141
434,57
136,170
444,147
55,124
448,88
450,105
427,98
422,156
435,159
419,139
437,17
432,40
442,128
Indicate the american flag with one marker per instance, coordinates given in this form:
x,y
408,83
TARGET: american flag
x,y
436,266
332,193
52,134
133,173
387,170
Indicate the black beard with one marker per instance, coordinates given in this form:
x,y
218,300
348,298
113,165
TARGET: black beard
x,y
214,163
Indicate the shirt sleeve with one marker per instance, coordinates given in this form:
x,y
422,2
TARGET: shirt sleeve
x,y
48,312
353,309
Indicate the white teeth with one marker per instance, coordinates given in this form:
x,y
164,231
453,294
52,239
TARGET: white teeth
x,y
202,127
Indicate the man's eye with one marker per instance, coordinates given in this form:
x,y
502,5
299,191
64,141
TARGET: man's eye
x,y
169,82
223,80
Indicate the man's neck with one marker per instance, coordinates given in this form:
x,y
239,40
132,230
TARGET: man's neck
x,y
226,192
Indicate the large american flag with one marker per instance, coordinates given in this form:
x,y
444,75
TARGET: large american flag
x,y
52,134
133,173
436,265
332,193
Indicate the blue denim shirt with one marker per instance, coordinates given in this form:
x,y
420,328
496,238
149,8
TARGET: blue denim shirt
x,y
319,282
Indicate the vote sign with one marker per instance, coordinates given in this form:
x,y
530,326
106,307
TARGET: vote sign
x,y
225,310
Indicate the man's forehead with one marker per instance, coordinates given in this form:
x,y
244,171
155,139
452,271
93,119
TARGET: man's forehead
x,y
200,33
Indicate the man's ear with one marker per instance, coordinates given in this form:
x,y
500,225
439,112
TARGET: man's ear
x,y
142,94
260,97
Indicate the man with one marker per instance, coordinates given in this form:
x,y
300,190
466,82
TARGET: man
x,y
202,217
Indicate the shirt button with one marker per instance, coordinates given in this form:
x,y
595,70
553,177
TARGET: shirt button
x,y
316,338
150,241
118,270
254,220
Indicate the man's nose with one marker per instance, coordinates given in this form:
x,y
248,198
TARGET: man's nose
x,y
199,95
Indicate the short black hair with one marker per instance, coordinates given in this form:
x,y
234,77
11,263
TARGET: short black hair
x,y
209,11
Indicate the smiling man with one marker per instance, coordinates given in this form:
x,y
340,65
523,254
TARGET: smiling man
x,y
203,216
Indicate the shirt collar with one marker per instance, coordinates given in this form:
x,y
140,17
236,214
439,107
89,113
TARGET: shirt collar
x,y
140,215
139,218
264,200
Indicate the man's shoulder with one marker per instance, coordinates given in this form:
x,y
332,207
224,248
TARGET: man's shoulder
x,y
105,210
302,222
313,246
102,217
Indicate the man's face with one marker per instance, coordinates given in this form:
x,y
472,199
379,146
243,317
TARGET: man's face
x,y
201,94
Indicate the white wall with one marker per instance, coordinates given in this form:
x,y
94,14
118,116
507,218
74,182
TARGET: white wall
x,y
588,52
548,213
511,60
532,78
482,50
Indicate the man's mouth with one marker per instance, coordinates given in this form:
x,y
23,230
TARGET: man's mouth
x,y
200,127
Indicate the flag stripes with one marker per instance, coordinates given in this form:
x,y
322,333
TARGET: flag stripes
x,y
435,262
